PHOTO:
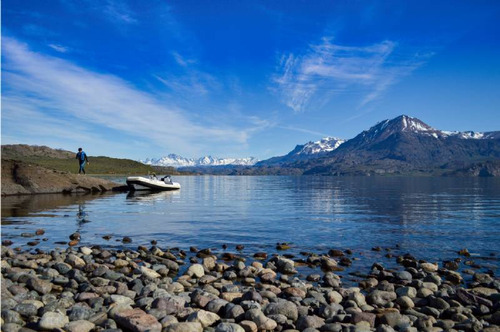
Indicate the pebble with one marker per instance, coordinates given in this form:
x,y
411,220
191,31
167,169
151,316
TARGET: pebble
x,y
53,320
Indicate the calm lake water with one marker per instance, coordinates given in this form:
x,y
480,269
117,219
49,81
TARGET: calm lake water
x,y
430,217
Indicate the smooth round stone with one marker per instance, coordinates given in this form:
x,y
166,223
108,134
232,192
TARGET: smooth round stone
x,y
53,320
11,316
26,309
79,326
196,270
403,275
229,327
11,327
405,302
79,313
411,292
184,327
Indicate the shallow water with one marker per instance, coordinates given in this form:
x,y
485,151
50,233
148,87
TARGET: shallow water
x,y
430,217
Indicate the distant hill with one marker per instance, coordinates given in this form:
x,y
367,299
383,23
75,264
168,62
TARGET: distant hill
x,y
62,160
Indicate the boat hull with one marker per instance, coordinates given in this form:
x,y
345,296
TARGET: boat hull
x,y
141,183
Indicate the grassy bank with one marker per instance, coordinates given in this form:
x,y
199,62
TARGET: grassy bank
x,y
99,165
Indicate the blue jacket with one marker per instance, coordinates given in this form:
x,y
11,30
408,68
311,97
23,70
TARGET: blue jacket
x,y
82,157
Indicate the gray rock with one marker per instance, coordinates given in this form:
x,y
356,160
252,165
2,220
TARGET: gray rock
x,y
286,308
11,327
305,322
411,292
234,311
52,320
79,312
363,317
39,285
205,318
380,298
79,326
216,305
329,311
285,265
11,316
184,327
403,275
26,309
229,327
394,319
168,320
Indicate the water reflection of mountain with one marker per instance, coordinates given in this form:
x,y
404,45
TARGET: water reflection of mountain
x,y
21,206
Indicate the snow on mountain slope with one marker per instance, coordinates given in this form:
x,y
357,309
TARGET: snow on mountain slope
x,y
324,145
174,160
404,123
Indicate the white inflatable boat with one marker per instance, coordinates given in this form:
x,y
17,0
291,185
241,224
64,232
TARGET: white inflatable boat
x,y
151,183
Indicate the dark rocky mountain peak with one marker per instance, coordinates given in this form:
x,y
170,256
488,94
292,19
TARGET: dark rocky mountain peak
x,y
400,124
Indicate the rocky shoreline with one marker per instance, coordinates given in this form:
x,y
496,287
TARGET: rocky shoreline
x,y
21,178
152,289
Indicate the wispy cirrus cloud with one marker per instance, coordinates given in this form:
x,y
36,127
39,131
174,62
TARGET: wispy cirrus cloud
x,y
54,94
328,69
59,48
119,11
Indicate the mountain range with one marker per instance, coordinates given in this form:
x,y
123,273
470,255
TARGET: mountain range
x,y
174,160
406,145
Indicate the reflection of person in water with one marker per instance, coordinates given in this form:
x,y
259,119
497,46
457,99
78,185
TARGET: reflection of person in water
x,y
81,216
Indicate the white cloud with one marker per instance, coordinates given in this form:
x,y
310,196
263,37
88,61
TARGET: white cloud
x,y
55,93
329,69
59,48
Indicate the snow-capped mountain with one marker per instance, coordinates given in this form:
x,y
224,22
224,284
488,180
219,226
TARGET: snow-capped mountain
x,y
324,145
406,144
174,160
408,124
306,151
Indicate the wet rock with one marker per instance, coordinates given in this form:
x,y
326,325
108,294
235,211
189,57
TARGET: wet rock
x,y
196,270
429,267
260,255
285,265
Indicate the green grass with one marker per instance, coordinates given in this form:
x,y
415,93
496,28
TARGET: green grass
x,y
99,165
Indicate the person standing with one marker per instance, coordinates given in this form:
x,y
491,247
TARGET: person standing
x,y
82,159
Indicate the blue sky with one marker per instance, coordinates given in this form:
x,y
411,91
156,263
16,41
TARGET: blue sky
x,y
141,79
